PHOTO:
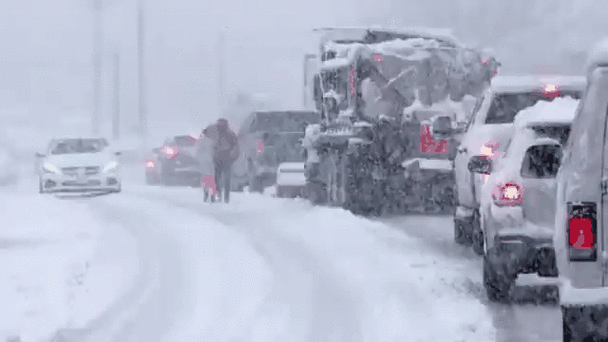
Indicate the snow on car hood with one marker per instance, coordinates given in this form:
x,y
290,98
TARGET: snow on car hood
x,y
80,159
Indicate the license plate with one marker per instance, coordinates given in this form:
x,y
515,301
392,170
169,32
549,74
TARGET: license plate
x,y
81,180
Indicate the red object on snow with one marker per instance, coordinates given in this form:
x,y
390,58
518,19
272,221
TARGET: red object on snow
x,y
209,184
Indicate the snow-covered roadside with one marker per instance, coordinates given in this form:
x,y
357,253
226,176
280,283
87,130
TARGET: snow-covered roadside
x,y
408,293
60,266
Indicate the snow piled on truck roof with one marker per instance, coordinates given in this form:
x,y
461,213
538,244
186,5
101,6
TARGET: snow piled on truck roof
x,y
358,33
558,111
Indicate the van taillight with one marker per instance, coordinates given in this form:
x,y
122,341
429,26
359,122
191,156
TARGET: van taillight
x,y
582,232
260,147
508,194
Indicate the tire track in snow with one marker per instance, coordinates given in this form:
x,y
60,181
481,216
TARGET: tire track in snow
x,y
326,313
121,322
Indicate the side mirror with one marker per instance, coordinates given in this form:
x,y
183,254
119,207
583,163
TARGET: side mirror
x,y
156,150
442,128
39,155
480,164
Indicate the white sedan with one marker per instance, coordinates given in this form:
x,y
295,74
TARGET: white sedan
x,y
79,165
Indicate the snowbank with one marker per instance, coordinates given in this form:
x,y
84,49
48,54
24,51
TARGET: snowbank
x,y
56,271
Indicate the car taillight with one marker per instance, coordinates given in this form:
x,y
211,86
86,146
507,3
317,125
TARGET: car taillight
x,y
150,164
170,151
582,232
508,194
550,90
260,147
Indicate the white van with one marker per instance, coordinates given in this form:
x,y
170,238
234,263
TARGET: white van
x,y
581,223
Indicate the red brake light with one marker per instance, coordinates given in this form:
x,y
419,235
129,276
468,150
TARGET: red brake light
x,y
260,147
484,60
582,232
170,151
550,90
150,164
508,194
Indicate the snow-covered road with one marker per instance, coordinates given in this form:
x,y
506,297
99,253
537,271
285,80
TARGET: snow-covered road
x,y
266,269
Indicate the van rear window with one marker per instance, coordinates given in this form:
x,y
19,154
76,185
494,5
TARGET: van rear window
x,y
505,107
541,161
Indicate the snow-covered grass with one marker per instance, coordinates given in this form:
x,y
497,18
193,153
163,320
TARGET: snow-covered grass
x,y
60,266
396,287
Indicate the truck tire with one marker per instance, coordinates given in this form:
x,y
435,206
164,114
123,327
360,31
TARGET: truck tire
x,y
478,239
497,285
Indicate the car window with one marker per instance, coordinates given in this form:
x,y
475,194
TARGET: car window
x,y
74,146
505,107
541,161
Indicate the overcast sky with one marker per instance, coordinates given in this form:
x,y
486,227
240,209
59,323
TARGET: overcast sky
x,y
47,45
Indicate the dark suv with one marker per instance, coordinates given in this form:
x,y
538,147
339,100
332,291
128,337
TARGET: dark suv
x,y
175,163
266,139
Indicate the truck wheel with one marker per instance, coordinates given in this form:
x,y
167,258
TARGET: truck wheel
x,y
478,241
496,284
574,322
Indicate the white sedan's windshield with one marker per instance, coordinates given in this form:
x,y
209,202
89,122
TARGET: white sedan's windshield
x,y
73,146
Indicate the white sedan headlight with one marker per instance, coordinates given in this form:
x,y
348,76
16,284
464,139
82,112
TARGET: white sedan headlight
x,y
50,168
111,166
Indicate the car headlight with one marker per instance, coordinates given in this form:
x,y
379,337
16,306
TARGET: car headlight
x,y
50,168
111,166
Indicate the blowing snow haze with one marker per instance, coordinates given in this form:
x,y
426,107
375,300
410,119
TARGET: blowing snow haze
x,y
399,205
47,46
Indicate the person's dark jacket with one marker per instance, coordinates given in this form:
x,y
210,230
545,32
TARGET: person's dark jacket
x,y
225,148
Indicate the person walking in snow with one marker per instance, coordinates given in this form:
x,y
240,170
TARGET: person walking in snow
x,y
225,153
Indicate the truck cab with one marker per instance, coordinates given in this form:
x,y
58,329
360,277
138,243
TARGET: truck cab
x,y
581,223
489,128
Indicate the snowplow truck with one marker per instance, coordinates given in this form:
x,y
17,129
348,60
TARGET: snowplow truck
x,y
366,79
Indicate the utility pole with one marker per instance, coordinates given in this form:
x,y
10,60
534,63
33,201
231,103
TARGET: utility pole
x,y
97,47
143,118
116,121
307,57
221,69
